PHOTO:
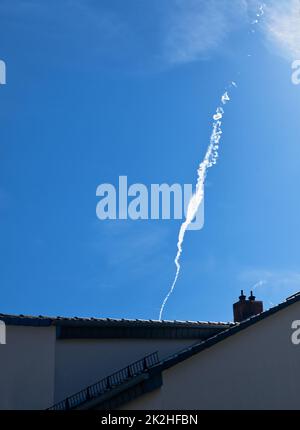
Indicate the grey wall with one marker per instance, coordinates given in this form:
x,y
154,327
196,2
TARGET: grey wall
x,y
83,362
37,370
258,368
27,368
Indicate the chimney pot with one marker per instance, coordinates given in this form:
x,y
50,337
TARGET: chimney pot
x,y
251,297
242,296
244,309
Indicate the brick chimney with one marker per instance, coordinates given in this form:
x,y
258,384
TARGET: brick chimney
x,y
244,308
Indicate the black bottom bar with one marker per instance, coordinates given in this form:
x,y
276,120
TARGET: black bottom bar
x,y
136,419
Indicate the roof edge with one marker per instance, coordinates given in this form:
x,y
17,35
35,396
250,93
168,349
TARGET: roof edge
x,y
205,344
11,319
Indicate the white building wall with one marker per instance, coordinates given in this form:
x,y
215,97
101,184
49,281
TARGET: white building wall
x,y
83,362
27,368
258,368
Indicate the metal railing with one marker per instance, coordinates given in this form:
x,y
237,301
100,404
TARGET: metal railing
x,y
107,383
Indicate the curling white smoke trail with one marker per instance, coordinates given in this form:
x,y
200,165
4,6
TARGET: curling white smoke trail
x,y
209,160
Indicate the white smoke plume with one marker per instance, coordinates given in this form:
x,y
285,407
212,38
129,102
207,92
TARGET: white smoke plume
x,y
209,160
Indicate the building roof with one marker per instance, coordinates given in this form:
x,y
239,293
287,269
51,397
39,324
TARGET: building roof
x,y
238,327
153,376
155,372
87,328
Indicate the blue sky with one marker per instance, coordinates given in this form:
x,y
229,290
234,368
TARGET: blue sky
x,y
99,89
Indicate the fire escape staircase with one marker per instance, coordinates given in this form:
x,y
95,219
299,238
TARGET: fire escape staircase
x,y
114,389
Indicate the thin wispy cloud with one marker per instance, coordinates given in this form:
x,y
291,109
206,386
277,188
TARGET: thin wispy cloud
x,y
271,281
166,33
195,28
282,27
156,34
